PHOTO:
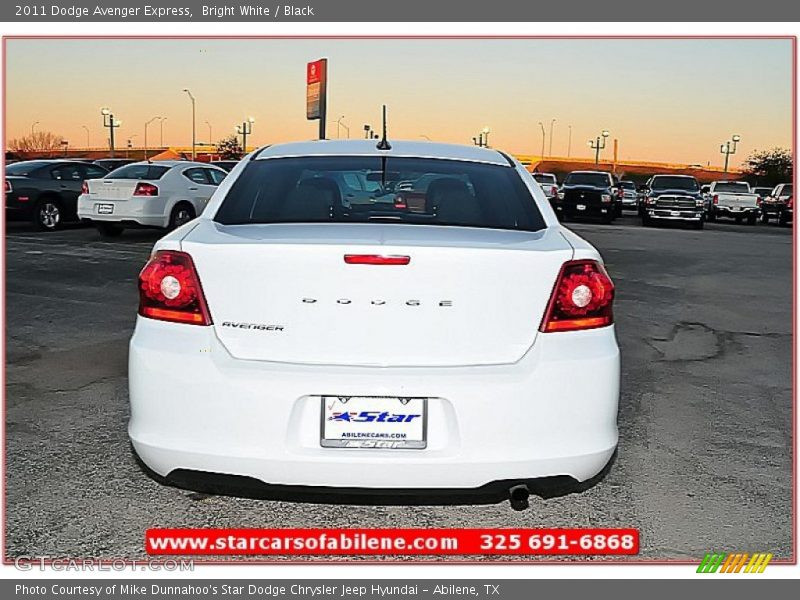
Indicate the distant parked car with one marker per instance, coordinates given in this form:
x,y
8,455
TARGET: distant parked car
x,y
629,194
46,191
164,194
226,165
673,198
590,194
735,200
109,164
775,201
549,185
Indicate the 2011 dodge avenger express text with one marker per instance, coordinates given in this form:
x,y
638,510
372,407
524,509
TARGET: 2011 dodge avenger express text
x,y
400,316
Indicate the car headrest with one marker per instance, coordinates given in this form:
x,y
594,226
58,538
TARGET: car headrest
x,y
313,200
453,202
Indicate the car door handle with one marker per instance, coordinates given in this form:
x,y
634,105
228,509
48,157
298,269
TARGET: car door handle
x,y
193,189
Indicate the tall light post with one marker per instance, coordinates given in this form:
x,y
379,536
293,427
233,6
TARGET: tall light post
x,y
598,144
569,142
367,131
210,137
486,131
729,148
550,149
130,145
33,126
111,123
194,122
161,140
145,134
543,136
245,129
338,125
87,135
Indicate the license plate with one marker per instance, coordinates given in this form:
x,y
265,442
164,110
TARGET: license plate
x,y
581,207
105,209
374,422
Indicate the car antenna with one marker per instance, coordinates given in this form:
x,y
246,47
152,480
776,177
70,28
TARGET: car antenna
x,y
384,143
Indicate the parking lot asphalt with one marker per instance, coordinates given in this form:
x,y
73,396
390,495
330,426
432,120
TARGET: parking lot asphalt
x,y
704,321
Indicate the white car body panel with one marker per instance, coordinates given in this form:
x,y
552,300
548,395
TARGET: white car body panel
x,y
504,401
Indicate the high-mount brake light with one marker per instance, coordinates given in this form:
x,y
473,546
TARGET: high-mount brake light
x,y
170,290
582,298
145,189
375,259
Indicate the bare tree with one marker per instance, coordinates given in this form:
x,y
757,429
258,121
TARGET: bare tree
x,y
38,141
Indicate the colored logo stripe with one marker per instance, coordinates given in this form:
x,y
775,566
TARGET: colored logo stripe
x,y
734,563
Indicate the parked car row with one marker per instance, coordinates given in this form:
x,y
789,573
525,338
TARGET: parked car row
x,y
112,193
679,198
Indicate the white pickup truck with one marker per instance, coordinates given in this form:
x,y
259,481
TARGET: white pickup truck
x,y
733,199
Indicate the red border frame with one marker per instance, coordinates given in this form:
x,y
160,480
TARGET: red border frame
x,y
438,562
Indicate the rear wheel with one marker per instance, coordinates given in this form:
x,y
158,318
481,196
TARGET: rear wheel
x,y
182,213
751,218
783,219
738,219
108,230
48,214
765,217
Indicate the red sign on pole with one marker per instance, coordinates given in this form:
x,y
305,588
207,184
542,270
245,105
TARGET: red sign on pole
x,y
316,90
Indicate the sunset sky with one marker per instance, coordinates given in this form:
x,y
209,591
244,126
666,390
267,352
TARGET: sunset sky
x,y
665,100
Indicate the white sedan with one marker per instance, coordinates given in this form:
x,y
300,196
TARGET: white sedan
x,y
163,194
450,338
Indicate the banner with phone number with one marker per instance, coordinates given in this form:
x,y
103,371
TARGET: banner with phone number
x,y
430,542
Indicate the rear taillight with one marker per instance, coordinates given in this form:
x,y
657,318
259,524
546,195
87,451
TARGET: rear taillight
x,y
376,259
758,200
169,290
582,298
8,186
84,188
145,189
715,199
554,191
790,203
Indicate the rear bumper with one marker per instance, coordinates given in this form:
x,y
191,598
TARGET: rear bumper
x,y
195,408
730,211
148,212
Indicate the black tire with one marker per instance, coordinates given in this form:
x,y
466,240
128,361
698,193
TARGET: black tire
x,y
48,214
765,218
711,217
751,218
607,219
738,219
783,220
108,230
699,224
183,212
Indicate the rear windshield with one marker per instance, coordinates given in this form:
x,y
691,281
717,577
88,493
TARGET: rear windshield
x,y
627,185
542,178
138,172
785,191
762,191
736,187
675,183
380,189
594,179
25,168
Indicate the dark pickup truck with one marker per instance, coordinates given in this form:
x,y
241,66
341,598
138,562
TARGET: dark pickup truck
x,y
672,198
589,194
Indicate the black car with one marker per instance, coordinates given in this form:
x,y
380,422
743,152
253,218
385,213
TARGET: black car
x,y
113,163
589,194
225,164
46,191
673,198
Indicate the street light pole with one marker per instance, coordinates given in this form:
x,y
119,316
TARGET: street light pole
x,y
210,137
569,142
87,136
729,148
543,136
598,144
244,130
550,150
111,123
486,132
161,141
33,127
194,122
145,134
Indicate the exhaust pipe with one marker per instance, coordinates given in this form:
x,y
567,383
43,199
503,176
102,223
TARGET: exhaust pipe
x,y
518,497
